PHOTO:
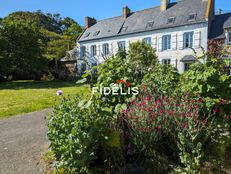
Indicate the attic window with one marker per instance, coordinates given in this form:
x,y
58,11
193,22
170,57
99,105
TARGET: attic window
x,y
171,20
150,24
96,33
124,29
87,34
192,17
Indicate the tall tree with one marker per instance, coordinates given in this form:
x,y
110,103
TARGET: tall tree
x,y
22,49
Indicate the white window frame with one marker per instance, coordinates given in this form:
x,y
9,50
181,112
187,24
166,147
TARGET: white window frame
x,y
147,40
166,62
105,49
188,64
189,37
166,42
123,44
83,51
93,50
229,37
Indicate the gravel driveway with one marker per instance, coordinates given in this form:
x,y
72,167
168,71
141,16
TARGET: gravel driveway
x,y
22,143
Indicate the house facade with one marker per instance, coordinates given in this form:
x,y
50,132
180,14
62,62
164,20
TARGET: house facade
x,y
219,42
172,29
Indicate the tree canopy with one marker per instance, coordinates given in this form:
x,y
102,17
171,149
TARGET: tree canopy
x,y
29,40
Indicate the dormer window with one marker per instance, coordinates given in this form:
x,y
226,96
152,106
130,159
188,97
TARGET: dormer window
x,y
87,35
171,20
124,29
191,17
96,33
150,24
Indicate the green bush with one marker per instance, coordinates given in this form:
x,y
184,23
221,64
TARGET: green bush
x,y
80,139
94,136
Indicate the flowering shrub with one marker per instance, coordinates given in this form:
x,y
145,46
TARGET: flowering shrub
x,y
156,131
153,115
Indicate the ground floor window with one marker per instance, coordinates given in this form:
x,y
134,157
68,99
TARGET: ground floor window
x,y
187,66
166,61
94,68
83,67
228,70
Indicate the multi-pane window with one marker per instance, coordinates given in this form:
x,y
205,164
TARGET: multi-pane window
x,y
105,49
188,40
121,45
187,66
83,51
166,42
93,50
171,20
229,37
147,40
192,17
150,24
166,61
228,70
83,67
94,68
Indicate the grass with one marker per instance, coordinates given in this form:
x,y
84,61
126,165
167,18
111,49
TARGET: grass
x,y
19,97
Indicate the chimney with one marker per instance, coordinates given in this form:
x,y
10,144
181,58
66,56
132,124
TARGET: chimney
x,y
89,22
126,12
164,5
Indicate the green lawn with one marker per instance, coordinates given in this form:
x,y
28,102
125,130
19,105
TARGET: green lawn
x,y
20,97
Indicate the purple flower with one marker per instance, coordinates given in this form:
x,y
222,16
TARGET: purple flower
x,y
59,92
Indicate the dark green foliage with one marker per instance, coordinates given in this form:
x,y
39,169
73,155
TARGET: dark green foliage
x,y
29,40
208,80
21,52
164,78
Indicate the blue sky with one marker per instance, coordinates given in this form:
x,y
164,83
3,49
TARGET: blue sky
x,y
77,9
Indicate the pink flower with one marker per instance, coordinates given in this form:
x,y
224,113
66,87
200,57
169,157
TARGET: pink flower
x,y
200,100
204,121
159,128
196,106
216,111
222,101
59,92
184,125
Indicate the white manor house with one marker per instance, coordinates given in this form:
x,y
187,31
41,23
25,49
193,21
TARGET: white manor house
x,y
172,29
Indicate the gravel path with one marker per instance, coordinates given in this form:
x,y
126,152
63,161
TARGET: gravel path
x,y
22,143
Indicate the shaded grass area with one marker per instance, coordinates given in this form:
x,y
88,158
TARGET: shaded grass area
x,y
20,97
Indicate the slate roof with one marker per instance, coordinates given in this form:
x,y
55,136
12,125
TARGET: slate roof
x,y
139,21
220,23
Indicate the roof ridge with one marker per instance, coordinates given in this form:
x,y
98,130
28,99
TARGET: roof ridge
x,y
136,11
108,18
